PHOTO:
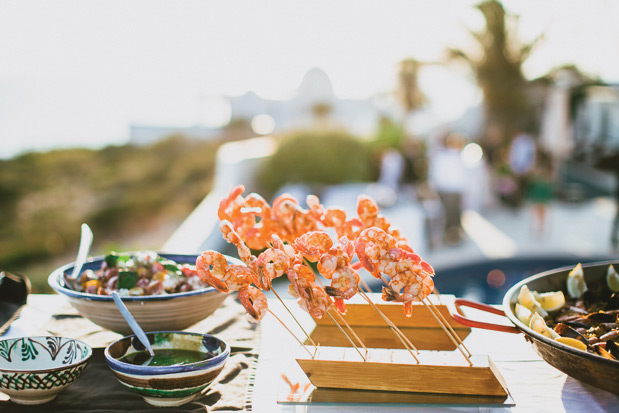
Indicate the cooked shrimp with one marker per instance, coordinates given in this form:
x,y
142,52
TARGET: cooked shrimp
x,y
258,204
271,263
314,300
284,209
312,245
255,303
239,276
372,247
367,210
311,296
256,225
277,243
294,220
211,267
300,277
230,206
344,285
409,256
350,229
413,287
233,237
316,210
337,257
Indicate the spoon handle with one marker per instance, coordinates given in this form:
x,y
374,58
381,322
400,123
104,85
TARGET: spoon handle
x,y
132,323
82,253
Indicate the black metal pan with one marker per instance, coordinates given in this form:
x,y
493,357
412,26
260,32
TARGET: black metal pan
x,y
586,367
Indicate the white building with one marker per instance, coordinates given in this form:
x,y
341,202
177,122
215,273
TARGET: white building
x,y
298,110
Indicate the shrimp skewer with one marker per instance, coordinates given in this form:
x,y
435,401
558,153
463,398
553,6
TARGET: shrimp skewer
x,y
381,248
211,267
254,301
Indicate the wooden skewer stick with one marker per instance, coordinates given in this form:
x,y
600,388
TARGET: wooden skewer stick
x,y
405,341
347,336
351,330
295,319
447,332
457,337
365,285
295,337
438,295
391,324
385,281
345,322
408,345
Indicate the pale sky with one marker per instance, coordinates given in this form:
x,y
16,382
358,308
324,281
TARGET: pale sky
x,y
78,73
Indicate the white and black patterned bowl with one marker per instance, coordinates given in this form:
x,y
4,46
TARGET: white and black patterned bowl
x,y
33,370
172,385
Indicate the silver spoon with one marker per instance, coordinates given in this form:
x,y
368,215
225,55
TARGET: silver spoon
x,y
132,323
82,254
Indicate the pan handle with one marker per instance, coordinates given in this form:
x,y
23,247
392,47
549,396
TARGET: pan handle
x,y
480,324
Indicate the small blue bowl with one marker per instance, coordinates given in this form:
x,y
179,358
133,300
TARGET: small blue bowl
x,y
174,385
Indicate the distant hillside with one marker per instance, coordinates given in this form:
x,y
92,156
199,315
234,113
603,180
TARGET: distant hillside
x,y
120,191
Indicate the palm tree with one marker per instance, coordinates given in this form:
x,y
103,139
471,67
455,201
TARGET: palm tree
x,y
498,71
409,93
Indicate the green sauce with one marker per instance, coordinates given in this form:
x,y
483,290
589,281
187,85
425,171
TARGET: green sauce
x,y
165,357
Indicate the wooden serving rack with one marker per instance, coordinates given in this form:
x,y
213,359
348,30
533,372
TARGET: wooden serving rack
x,y
421,328
436,369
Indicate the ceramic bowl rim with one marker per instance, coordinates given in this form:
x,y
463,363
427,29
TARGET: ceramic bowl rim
x,y
52,369
117,365
54,280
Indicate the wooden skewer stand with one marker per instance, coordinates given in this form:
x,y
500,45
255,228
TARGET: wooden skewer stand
x,y
421,328
389,368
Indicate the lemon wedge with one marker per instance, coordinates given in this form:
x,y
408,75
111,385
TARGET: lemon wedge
x,y
538,324
523,314
527,299
576,285
612,279
572,342
551,301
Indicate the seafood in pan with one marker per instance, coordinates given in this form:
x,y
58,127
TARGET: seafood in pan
x,y
298,243
584,317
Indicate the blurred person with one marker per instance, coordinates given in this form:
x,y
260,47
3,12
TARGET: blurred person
x,y
447,177
521,159
540,192
614,236
385,191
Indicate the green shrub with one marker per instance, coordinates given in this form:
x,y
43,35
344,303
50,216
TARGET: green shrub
x,y
118,190
317,158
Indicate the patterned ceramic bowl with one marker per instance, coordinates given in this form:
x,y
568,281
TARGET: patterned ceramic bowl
x,y
184,365
152,312
34,370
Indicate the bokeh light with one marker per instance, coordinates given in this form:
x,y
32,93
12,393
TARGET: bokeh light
x,y
496,278
263,124
472,154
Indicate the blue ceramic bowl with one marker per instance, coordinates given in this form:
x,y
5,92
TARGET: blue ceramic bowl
x,y
152,312
172,385
33,370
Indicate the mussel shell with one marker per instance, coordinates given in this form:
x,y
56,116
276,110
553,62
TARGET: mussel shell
x,y
564,330
613,302
596,294
602,317
613,349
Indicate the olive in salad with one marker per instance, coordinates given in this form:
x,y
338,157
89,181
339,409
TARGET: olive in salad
x,y
139,274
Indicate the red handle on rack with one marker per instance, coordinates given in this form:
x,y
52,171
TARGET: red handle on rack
x,y
480,324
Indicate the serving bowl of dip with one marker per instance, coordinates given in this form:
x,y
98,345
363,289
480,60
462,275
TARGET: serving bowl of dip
x,y
183,365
